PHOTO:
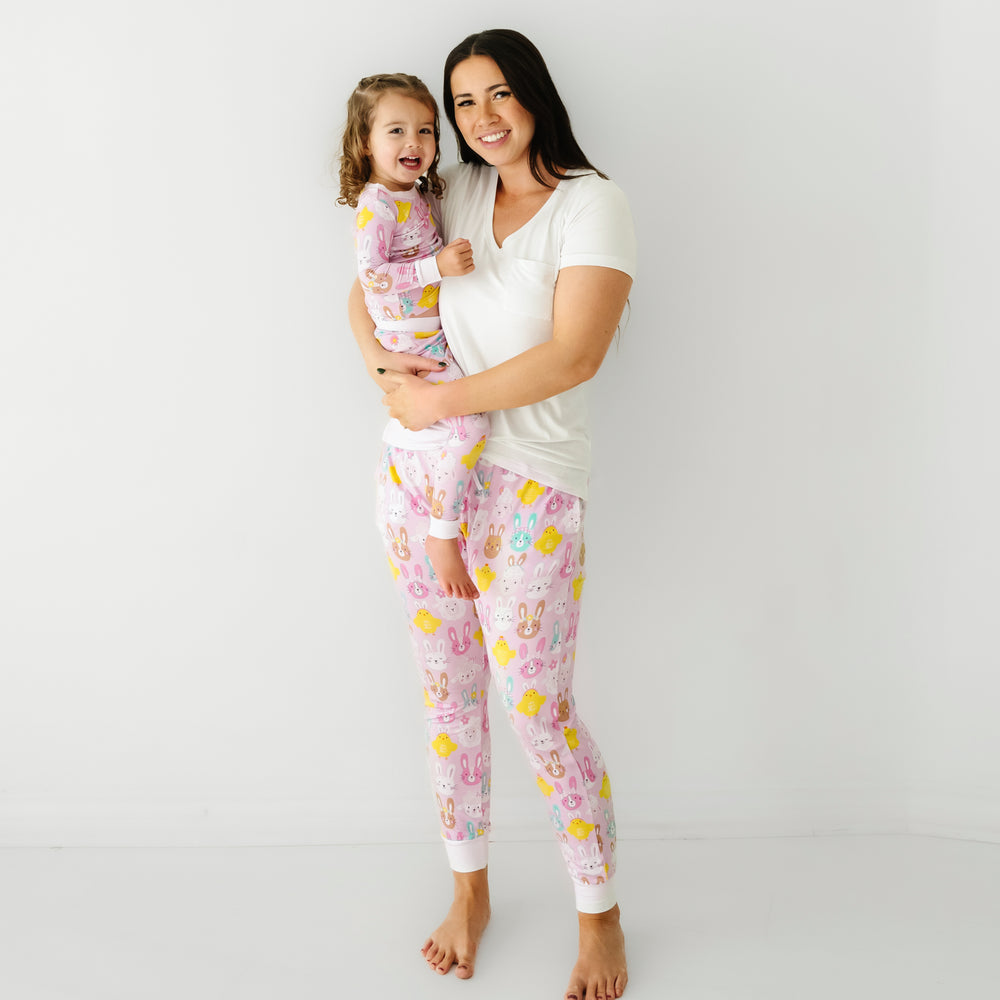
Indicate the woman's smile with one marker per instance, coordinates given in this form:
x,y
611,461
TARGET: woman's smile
x,y
495,137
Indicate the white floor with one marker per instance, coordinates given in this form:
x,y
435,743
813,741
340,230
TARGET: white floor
x,y
849,917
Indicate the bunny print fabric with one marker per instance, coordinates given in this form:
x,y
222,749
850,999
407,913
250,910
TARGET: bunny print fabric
x,y
440,457
396,242
523,545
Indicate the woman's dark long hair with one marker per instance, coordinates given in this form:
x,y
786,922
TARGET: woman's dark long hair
x,y
553,148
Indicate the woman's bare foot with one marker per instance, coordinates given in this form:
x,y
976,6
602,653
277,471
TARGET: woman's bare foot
x,y
452,576
600,972
456,941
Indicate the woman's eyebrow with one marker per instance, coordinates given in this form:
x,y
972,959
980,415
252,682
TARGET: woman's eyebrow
x,y
496,86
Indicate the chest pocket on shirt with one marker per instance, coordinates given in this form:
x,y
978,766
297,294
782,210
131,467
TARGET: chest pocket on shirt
x,y
529,287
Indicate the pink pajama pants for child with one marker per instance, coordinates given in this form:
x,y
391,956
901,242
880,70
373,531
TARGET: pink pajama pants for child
x,y
441,472
523,545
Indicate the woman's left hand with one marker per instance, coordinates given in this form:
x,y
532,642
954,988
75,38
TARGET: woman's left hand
x,y
411,402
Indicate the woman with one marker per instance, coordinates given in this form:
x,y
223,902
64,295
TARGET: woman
x,y
554,259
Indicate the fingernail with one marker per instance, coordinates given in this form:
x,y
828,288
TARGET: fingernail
x,y
381,371
442,364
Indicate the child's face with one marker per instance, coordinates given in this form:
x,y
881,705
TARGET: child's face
x,y
401,144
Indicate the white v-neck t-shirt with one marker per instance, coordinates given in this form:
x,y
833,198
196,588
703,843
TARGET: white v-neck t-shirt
x,y
504,307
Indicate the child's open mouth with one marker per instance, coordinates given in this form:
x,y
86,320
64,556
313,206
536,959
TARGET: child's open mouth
x,y
410,162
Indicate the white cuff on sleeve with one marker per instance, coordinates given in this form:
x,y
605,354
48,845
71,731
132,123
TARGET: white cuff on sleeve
x,y
444,529
427,271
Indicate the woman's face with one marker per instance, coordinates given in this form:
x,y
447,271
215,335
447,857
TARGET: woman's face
x,y
490,118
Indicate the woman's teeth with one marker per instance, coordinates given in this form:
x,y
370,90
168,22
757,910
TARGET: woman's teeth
x,y
495,137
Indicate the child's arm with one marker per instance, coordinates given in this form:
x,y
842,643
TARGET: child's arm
x,y
376,220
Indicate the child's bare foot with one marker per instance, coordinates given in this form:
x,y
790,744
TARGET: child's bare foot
x,y
452,576
456,941
600,972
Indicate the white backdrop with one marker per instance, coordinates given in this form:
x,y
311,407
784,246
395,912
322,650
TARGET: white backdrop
x,y
793,547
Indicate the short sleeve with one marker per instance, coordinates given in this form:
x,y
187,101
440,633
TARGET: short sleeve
x,y
599,231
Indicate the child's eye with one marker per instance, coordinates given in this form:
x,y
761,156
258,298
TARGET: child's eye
x,y
426,131
394,131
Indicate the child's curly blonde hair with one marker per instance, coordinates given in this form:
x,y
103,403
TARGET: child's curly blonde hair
x,y
355,163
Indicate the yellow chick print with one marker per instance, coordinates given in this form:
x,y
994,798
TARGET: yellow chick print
x,y
364,217
530,492
606,787
426,622
572,740
394,475
548,541
477,449
478,634
394,568
578,828
502,651
429,298
402,211
546,788
578,587
427,699
444,745
485,575
531,703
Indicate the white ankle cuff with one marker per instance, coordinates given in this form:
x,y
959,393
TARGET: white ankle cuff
x,y
469,855
595,898
443,529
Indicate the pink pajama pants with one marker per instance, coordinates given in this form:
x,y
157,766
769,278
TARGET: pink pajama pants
x,y
523,544
441,472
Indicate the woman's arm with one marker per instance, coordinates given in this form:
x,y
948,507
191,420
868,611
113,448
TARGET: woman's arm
x,y
587,307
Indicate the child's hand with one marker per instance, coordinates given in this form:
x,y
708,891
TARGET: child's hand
x,y
455,259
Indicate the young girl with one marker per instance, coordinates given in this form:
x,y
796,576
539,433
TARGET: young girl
x,y
390,144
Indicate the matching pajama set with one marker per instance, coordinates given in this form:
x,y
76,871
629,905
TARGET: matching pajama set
x,y
397,241
522,522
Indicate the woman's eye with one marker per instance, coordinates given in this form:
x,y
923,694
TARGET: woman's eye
x,y
464,103
499,95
